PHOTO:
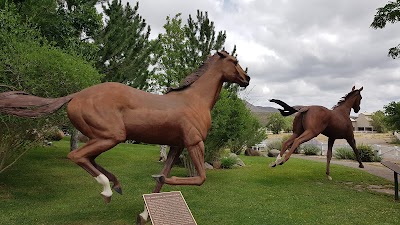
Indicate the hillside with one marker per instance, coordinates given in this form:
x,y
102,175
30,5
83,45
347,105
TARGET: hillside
x,y
261,112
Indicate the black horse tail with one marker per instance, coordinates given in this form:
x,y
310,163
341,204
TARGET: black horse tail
x,y
287,109
21,104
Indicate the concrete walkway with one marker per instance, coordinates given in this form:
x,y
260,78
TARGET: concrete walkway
x,y
375,168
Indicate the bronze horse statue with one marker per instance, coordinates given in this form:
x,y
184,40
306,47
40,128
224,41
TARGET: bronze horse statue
x,y
111,113
310,121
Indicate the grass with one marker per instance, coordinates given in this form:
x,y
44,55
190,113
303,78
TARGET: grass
x,y
46,188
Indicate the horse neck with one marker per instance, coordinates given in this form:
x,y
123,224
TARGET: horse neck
x,y
207,88
345,107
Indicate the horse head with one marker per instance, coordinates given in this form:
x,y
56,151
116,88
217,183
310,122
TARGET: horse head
x,y
357,101
232,71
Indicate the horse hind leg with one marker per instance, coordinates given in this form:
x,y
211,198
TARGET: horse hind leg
x,y
116,184
285,146
305,136
329,157
82,156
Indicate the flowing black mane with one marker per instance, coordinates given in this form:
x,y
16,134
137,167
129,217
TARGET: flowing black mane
x,y
344,98
190,79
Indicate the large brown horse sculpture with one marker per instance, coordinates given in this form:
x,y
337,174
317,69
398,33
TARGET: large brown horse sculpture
x,y
110,113
310,121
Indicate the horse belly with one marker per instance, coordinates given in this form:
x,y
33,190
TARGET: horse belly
x,y
154,131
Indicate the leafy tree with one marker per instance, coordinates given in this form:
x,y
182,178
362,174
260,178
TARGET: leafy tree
x,y
288,124
29,63
68,24
377,122
276,123
125,48
232,126
392,116
388,13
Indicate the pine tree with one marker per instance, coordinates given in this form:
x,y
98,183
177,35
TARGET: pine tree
x,y
125,48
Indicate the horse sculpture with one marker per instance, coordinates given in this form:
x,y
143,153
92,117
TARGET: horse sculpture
x,y
310,121
110,113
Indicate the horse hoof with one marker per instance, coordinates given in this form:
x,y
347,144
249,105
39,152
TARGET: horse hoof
x,y
273,164
329,177
107,199
361,166
140,220
159,178
280,162
118,190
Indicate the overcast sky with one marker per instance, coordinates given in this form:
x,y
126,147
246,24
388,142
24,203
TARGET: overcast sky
x,y
308,52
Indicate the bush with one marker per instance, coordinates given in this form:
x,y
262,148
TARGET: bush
x,y
274,145
228,162
344,153
310,149
366,153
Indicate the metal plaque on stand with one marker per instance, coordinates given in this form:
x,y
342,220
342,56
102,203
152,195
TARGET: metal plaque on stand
x,y
168,208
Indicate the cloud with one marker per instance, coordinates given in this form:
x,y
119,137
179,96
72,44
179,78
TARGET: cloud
x,y
303,52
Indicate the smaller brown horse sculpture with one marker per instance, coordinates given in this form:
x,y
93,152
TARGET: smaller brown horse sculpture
x,y
311,121
110,113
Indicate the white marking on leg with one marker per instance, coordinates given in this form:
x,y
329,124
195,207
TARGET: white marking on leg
x,y
103,180
278,158
144,214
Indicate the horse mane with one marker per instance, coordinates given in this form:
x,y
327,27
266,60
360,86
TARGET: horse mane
x,y
344,98
191,78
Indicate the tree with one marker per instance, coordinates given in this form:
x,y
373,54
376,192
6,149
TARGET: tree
x,y
389,13
377,122
276,123
232,126
29,63
68,24
125,49
183,48
392,116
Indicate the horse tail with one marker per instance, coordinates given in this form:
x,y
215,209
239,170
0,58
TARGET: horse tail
x,y
287,109
21,104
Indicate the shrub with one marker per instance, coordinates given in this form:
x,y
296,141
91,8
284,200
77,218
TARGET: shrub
x,y
344,153
310,149
366,153
228,162
274,145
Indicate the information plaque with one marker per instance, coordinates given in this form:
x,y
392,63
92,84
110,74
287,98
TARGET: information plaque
x,y
168,208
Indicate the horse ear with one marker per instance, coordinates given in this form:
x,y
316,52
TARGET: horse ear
x,y
361,89
221,55
354,87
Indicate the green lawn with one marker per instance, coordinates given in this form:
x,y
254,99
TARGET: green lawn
x,y
44,187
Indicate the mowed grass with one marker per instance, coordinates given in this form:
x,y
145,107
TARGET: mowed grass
x,y
44,187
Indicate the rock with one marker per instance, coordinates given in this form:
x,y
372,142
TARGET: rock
x,y
82,138
217,164
239,162
208,166
252,152
273,153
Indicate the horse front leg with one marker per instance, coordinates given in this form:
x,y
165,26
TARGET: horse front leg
x,y
329,157
196,153
172,157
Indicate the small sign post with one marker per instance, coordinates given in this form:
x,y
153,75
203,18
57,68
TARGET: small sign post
x,y
168,208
